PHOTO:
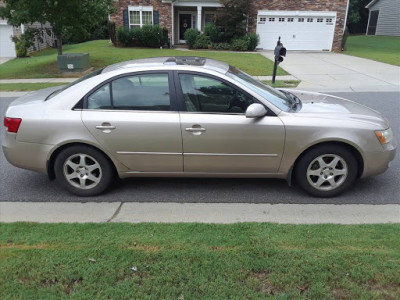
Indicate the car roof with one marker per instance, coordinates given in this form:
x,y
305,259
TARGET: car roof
x,y
200,62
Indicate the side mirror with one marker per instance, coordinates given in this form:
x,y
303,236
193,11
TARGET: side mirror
x,y
255,110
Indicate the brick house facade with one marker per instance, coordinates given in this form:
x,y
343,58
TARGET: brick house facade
x,y
178,15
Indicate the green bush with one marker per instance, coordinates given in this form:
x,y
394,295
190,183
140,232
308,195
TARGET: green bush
x,y
190,36
221,46
23,42
213,32
124,36
147,36
202,42
253,40
240,44
151,36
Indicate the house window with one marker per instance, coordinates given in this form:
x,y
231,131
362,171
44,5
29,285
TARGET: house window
x,y
263,19
301,19
328,20
281,19
209,19
271,19
290,19
310,20
319,20
140,15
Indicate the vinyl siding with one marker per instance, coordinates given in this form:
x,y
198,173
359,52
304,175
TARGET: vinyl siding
x,y
389,17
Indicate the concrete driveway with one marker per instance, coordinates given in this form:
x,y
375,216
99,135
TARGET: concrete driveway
x,y
335,72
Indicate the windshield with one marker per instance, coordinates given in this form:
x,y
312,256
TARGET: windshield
x,y
94,73
274,96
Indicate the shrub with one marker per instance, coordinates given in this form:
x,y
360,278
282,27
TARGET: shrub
x,y
213,32
240,44
124,36
151,36
221,46
202,42
23,42
147,36
190,36
253,40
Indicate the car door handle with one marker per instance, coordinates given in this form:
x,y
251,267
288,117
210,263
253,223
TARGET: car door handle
x,y
103,127
191,129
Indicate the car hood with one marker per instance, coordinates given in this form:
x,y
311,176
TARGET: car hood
x,y
332,107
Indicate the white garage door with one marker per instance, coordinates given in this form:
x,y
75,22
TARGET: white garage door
x,y
7,47
299,30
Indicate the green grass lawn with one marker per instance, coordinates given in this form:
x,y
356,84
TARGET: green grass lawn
x,y
27,86
283,83
199,261
44,63
380,48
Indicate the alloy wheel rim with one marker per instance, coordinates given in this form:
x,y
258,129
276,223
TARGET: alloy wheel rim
x,y
327,172
82,171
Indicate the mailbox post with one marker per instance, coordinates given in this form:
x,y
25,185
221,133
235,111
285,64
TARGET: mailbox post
x,y
279,52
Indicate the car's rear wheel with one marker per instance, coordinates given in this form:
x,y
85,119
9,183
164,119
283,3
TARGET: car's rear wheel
x,y
326,171
84,171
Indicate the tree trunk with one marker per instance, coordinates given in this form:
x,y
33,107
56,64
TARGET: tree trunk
x,y
59,43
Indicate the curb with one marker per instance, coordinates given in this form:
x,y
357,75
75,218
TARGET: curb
x,y
218,213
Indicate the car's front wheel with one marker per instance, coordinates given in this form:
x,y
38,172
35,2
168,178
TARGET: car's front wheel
x,y
83,170
326,171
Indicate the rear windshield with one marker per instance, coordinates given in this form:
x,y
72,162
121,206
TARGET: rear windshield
x,y
90,75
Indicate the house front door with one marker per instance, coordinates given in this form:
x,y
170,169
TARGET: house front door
x,y
185,22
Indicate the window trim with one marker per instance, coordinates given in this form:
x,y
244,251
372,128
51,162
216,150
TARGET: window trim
x,y
181,100
172,93
140,9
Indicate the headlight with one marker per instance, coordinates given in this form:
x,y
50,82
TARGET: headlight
x,y
384,136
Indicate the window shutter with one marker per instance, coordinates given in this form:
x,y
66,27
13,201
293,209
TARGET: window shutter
x,y
125,17
156,17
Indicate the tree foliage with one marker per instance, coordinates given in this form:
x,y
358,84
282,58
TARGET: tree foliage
x,y
357,18
233,17
60,14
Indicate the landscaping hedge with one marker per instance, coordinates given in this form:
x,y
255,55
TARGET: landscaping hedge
x,y
148,36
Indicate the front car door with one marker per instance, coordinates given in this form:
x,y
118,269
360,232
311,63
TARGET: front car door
x,y
133,117
217,136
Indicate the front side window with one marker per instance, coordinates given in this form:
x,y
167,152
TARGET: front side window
x,y
137,92
140,15
205,94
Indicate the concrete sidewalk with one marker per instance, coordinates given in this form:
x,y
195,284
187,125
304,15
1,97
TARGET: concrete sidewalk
x,y
223,213
335,72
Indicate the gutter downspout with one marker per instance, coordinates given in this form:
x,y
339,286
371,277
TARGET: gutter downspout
x,y
345,18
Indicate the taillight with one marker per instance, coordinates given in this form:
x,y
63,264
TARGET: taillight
x,y
12,124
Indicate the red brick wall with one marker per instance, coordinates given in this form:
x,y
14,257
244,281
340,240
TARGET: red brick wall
x,y
339,6
164,10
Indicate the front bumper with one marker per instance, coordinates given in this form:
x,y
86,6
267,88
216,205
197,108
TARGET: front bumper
x,y
378,162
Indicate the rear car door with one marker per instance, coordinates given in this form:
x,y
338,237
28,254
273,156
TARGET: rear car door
x,y
217,136
135,118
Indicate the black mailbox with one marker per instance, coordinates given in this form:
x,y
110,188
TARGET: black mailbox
x,y
279,53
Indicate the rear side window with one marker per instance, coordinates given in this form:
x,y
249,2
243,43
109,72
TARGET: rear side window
x,y
136,92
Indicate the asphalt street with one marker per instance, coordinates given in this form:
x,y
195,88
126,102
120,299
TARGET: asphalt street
x,y
21,185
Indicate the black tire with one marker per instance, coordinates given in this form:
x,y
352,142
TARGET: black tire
x,y
326,170
91,173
